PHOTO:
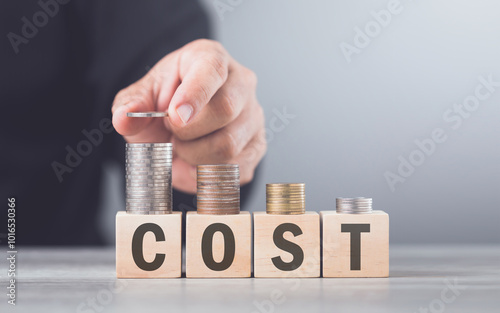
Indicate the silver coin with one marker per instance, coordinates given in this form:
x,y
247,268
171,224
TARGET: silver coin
x,y
148,171
140,183
149,191
147,167
151,196
163,149
147,180
148,146
147,161
148,153
147,205
358,205
134,174
137,176
148,199
147,114
133,184
145,185
147,177
135,156
148,208
148,212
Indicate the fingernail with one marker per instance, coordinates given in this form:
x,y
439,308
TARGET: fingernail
x,y
185,111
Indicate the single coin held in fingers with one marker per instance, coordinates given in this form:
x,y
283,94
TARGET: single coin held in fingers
x,y
147,114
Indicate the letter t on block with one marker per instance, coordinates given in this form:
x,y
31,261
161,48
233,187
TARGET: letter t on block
x,y
355,245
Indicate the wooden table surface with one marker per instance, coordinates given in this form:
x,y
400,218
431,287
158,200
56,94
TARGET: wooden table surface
x,y
422,279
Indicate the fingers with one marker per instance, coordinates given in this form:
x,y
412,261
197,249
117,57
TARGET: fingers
x,y
203,69
151,93
213,113
137,97
250,157
184,176
224,107
226,143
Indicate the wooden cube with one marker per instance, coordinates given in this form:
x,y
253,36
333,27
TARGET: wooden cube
x,y
355,245
148,246
286,245
218,245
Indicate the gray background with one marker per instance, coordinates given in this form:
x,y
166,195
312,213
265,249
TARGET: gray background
x,y
353,120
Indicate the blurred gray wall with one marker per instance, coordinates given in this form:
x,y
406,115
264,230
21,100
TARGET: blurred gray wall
x,y
354,120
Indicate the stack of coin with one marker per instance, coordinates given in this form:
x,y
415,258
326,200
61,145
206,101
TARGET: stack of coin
x,y
285,198
218,189
354,205
149,178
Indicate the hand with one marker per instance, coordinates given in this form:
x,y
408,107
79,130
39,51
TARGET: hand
x,y
213,113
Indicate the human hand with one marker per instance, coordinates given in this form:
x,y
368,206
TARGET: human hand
x,y
213,113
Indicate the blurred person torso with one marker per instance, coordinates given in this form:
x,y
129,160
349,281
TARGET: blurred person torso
x,y
62,64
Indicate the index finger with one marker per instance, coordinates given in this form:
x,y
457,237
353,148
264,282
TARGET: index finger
x,y
205,73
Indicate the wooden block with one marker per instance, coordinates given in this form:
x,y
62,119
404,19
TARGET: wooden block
x,y
218,245
355,245
148,246
286,245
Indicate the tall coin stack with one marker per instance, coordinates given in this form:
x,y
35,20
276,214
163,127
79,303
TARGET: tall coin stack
x,y
149,178
285,198
218,189
354,205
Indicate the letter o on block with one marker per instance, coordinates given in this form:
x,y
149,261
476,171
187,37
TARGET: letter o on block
x,y
218,245
286,245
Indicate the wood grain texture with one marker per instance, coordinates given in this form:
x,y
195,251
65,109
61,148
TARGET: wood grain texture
x,y
265,248
240,225
374,248
126,225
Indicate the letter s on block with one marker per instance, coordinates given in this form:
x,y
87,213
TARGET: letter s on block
x,y
288,246
137,247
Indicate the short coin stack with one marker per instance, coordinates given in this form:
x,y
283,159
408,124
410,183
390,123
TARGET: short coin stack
x,y
354,205
285,198
218,189
148,178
